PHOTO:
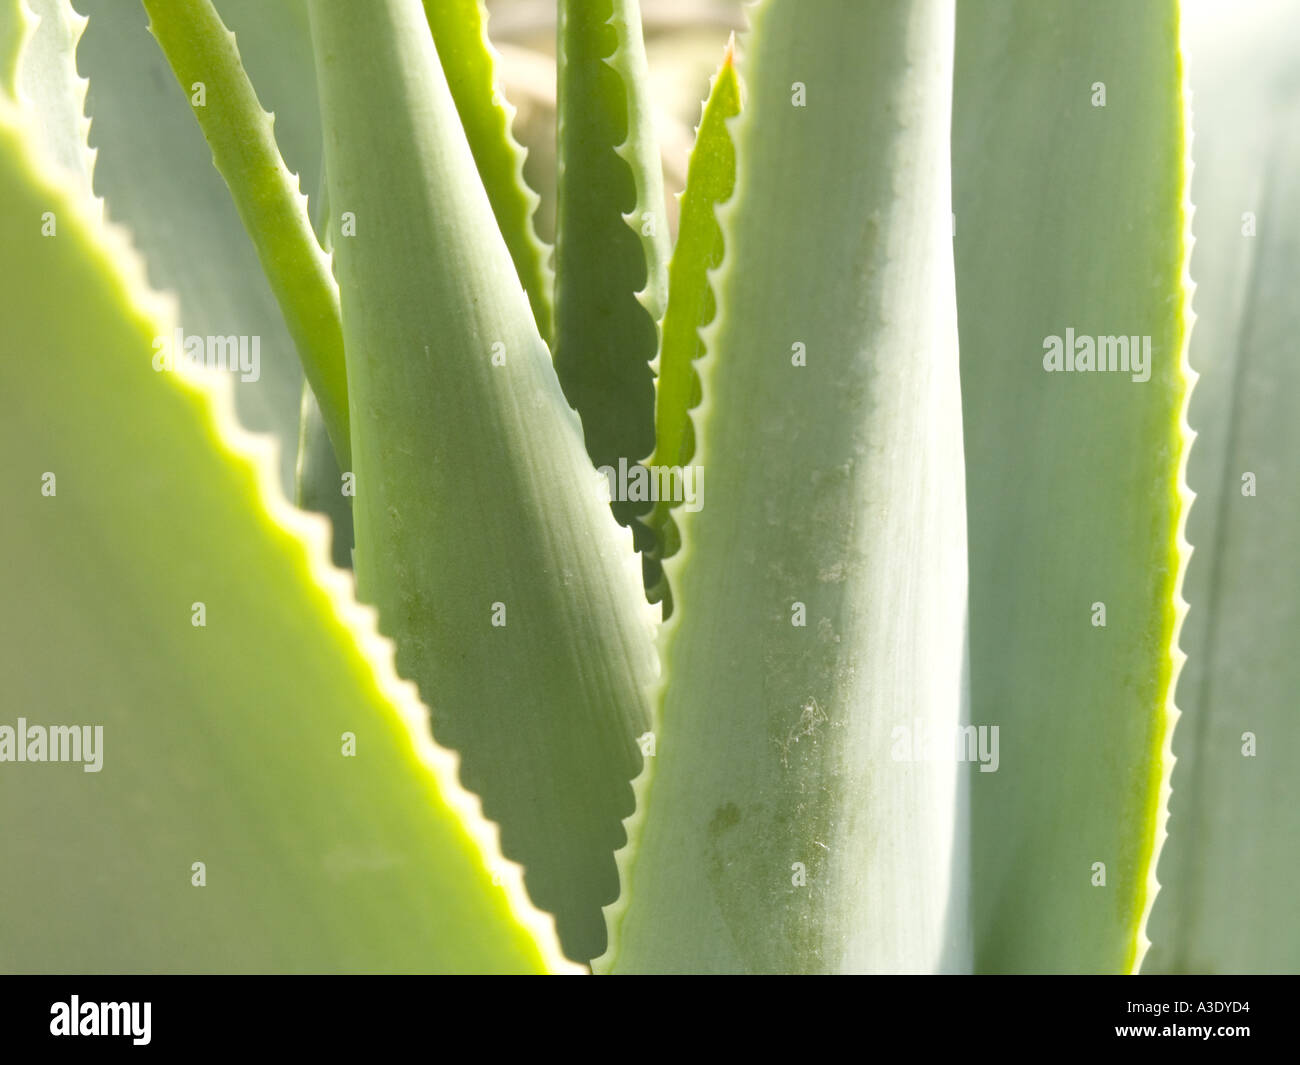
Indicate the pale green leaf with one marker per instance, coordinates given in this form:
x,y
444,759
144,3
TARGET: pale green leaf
x,y
1070,216
820,590
1228,898
481,533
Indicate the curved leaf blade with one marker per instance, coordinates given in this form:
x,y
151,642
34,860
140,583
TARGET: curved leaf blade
x,y
513,597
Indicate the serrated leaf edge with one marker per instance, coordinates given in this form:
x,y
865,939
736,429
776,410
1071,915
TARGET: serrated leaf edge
x,y
260,454
1186,499
640,151
660,592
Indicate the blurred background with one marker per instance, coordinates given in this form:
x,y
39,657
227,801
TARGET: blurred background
x,y
684,44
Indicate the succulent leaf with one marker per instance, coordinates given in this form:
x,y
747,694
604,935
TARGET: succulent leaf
x,y
611,246
211,673
710,180
481,531
1070,184
1227,902
469,62
819,591
202,51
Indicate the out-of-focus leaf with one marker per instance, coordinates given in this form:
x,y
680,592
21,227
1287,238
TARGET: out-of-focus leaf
x,y
1070,189
481,531
1228,896
820,602
222,825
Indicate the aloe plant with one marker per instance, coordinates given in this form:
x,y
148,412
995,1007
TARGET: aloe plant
x,y
787,578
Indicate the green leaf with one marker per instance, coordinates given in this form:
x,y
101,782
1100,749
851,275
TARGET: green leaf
x,y
819,590
481,532
611,245
155,172
221,743
16,27
710,181
202,53
1071,216
460,33
1228,872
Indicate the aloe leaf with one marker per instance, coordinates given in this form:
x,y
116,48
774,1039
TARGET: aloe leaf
x,y
1071,222
1227,901
460,33
481,531
611,242
203,52
709,182
154,170
820,590
49,83
215,822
